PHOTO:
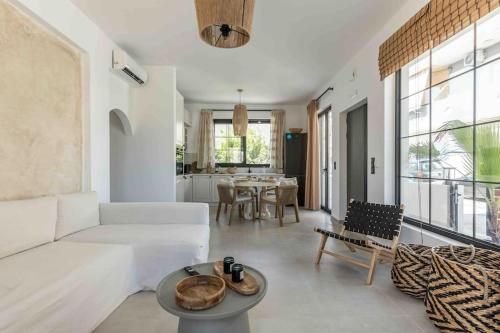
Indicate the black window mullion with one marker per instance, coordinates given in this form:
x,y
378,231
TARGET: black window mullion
x,y
244,149
430,137
243,143
474,138
397,119
398,175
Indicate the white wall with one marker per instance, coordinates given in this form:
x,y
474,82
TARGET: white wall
x,y
144,163
296,116
71,24
349,92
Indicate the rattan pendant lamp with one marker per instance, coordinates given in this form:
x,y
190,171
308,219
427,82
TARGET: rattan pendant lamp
x,y
240,118
225,23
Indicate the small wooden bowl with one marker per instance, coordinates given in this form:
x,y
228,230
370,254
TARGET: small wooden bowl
x,y
295,130
232,171
200,292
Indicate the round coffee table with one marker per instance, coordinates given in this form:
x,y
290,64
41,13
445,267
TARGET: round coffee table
x,y
229,316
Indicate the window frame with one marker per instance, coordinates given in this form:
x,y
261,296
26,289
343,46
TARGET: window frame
x,y
243,139
452,234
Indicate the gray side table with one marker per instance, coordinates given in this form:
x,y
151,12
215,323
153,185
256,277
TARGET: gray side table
x,y
230,316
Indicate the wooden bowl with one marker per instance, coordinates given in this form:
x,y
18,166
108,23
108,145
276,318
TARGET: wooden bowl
x,y
232,171
295,130
200,292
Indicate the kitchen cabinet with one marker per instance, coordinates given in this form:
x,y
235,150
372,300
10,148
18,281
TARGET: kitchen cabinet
x,y
188,188
179,189
202,188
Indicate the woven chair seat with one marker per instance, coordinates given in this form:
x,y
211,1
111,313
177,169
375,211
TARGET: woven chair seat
x,y
269,198
359,242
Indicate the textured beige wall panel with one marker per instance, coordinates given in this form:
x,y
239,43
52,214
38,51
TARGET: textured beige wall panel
x,y
40,109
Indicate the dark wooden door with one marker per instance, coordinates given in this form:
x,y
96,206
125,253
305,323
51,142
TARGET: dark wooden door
x,y
357,159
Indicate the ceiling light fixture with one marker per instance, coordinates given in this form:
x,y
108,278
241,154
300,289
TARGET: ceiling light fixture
x,y
240,118
225,23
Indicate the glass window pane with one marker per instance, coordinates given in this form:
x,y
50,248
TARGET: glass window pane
x,y
233,142
415,76
488,152
415,114
235,156
452,205
220,130
221,156
487,212
452,103
415,197
453,57
415,156
330,162
229,130
258,143
452,154
488,37
488,92
219,143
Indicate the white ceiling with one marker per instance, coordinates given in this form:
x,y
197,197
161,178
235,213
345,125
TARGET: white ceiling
x,y
296,45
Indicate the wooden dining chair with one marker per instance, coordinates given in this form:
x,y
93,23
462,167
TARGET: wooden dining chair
x,y
279,197
229,194
247,190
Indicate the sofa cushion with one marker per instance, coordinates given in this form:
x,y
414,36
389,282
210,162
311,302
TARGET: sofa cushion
x,y
64,287
158,249
26,223
76,212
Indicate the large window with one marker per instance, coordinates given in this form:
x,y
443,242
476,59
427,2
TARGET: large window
x,y
449,135
252,150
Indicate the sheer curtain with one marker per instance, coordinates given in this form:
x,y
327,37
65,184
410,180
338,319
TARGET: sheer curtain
x,y
312,194
277,133
206,139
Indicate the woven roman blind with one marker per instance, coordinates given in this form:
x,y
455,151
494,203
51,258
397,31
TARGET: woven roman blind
x,y
432,25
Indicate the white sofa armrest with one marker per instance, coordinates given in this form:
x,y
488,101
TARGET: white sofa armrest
x,y
154,213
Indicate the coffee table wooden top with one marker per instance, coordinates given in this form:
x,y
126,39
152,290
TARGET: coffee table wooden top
x,y
232,304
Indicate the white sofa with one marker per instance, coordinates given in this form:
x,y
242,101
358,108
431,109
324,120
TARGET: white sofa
x,y
67,262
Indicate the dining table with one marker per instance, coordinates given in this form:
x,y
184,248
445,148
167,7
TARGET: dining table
x,y
258,185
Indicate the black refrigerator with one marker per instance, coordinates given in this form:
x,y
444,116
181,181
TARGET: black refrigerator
x,y
295,155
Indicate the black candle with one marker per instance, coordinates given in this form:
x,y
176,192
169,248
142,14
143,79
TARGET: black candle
x,y
228,263
238,273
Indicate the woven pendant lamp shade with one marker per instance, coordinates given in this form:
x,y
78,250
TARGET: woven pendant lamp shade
x,y
240,120
225,23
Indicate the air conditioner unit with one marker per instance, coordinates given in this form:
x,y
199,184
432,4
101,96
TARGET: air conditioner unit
x,y
480,57
127,68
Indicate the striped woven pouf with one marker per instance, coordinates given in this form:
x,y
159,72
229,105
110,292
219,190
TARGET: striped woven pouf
x,y
463,293
411,268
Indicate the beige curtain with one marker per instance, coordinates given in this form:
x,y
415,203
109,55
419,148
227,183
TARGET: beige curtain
x,y
206,139
277,133
312,194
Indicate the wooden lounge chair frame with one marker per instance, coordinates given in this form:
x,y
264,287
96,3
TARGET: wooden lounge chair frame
x,y
366,219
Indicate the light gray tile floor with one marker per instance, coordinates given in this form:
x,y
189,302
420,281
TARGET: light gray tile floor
x,y
302,297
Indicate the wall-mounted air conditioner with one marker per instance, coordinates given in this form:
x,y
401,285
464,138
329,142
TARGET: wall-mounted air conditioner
x,y
127,68
480,57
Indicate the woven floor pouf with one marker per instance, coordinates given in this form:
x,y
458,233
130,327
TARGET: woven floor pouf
x,y
463,293
411,268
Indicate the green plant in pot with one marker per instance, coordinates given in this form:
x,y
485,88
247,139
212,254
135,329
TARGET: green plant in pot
x,y
487,164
